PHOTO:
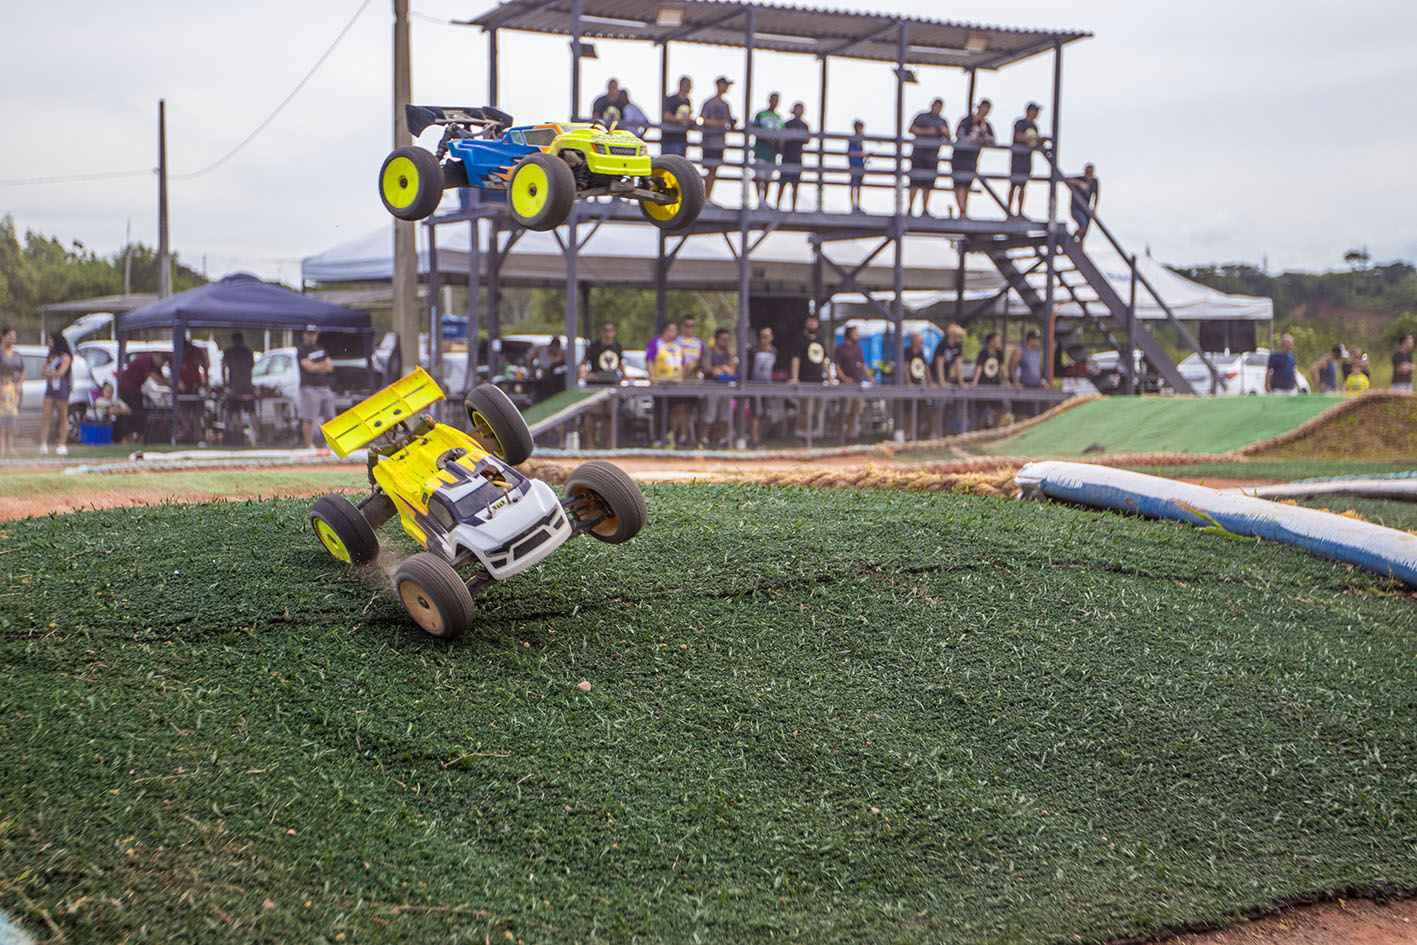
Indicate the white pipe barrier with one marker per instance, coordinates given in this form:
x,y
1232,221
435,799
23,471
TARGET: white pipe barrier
x,y
1375,547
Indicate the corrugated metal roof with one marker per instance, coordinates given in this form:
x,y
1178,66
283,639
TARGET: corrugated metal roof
x,y
809,30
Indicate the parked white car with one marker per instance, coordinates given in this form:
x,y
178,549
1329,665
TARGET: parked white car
x,y
1240,373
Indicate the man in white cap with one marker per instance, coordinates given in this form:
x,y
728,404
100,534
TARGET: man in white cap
x,y
317,400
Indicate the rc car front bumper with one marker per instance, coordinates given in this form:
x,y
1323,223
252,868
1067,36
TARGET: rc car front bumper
x,y
518,535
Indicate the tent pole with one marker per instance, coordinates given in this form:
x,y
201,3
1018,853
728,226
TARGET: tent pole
x,y
573,319
474,302
494,305
179,332
749,29
435,327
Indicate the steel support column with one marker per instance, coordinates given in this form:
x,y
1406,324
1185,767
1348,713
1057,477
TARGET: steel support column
x,y
494,305
1129,366
898,228
744,364
661,287
435,327
821,130
1054,177
575,63
474,300
492,68
572,250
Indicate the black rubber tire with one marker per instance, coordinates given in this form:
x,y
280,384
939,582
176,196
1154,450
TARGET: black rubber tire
x,y
560,195
434,595
616,494
497,425
420,194
691,192
349,526
378,510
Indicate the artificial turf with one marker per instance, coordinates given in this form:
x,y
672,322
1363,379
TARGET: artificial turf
x,y
813,716
1164,424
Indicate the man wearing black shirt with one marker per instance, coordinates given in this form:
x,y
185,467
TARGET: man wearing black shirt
x,y
974,132
603,364
989,371
945,363
236,364
1025,142
317,401
1085,193
930,129
809,365
678,116
792,147
604,103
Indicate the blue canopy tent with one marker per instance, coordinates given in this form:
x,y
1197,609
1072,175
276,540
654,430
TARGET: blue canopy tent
x,y
241,301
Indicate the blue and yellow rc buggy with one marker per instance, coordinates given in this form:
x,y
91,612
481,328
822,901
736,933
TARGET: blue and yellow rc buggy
x,y
458,496
542,169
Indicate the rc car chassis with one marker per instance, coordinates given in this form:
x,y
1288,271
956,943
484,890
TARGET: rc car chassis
x,y
457,495
542,169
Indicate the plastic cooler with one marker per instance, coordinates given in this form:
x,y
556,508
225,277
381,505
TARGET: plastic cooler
x,y
96,434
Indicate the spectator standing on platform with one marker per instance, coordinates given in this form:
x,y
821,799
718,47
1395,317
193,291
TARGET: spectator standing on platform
x,y
603,365
1025,142
808,366
140,370
317,400
715,116
606,107
58,383
1026,365
917,362
720,366
851,369
930,130
974,132
766,148
12,389
1402,366
666,362
1280,374
236,364
945,362
632,117
856,162
1085,193
792,148
692,347
764,359
1324,371
989,372
677,118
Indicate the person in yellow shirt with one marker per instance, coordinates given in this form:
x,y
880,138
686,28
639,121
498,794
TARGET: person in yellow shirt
x,y
1356,383
666,366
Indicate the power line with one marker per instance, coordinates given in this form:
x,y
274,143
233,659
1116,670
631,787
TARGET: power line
x,y
284,102
75,178
439,20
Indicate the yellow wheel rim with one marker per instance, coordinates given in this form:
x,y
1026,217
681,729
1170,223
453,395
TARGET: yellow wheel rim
x,y
330,540
529,190
482,429
420,607
670,185
400,183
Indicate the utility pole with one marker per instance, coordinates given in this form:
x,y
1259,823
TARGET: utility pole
x,y
405,247
164,264
128,259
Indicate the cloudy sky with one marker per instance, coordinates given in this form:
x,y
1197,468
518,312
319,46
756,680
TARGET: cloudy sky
x,y
1223,131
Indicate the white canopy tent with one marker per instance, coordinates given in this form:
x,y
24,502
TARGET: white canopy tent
x,y
625,254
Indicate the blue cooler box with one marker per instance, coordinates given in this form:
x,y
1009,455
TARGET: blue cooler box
x,y
96,434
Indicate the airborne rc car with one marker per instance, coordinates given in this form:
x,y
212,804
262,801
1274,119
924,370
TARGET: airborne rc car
x,y
541,168
457,495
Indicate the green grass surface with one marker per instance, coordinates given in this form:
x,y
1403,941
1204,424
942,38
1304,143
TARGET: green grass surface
x,y
1281,470
815,716
1165,424
189,481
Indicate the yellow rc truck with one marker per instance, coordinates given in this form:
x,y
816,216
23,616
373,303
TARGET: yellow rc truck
x,y
542,169
458,496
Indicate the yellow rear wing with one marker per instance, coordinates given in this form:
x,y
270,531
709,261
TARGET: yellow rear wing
x,y
377,414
